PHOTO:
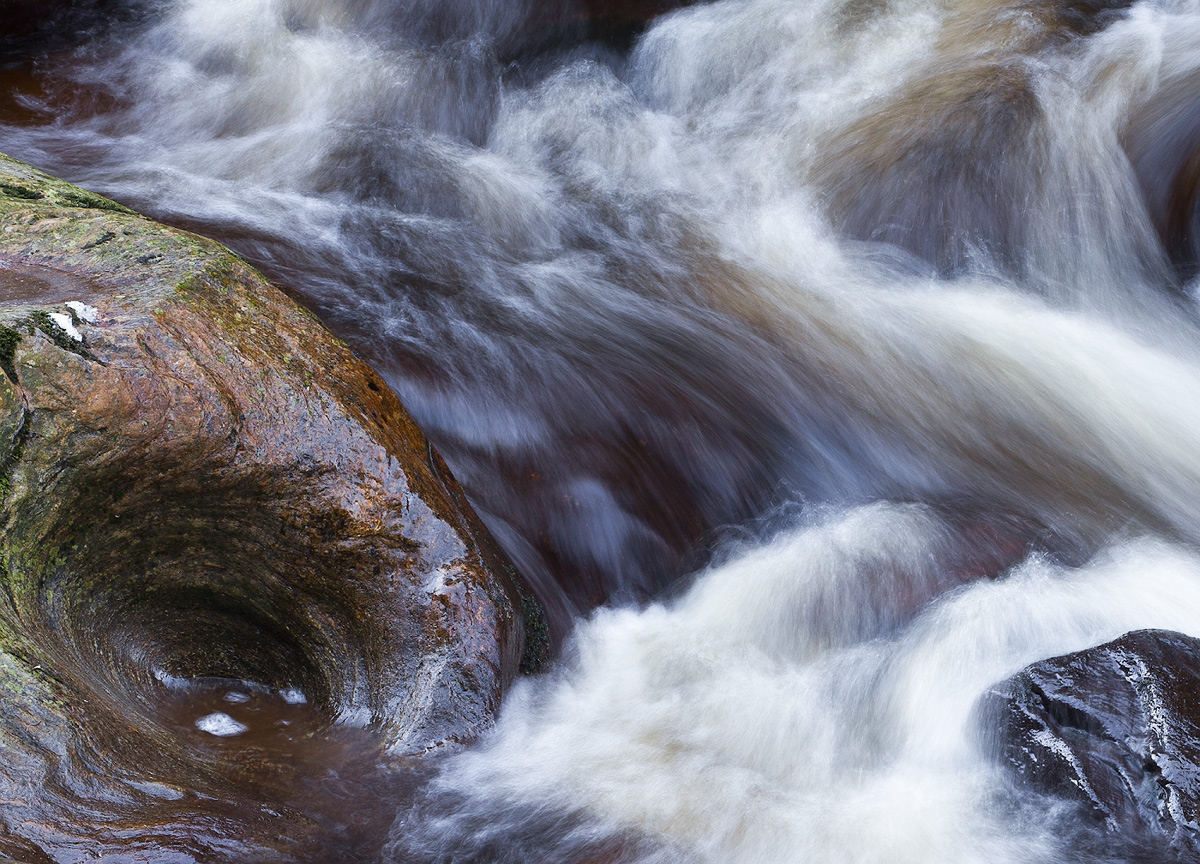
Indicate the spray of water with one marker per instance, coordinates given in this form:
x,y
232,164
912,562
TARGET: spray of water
x,y
773,715
820,253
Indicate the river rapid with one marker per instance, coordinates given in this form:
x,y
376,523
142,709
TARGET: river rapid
x,y
821,363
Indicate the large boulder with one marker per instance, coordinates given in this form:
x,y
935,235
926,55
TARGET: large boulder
x,y
200,484
1114,729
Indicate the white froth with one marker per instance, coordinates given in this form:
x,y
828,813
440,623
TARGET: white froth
x,y
85,313
221,725
64,323
716,723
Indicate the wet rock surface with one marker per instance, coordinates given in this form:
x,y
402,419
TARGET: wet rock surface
x,y
1115,730
209,499
618,19
1163,143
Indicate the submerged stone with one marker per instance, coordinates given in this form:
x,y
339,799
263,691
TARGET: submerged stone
x,y
200,483
614,22
950,167
38,22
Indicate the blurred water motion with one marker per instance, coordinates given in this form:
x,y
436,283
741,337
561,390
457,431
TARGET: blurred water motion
x,y
723,289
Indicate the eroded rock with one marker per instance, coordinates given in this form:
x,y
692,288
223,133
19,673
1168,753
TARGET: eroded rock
x,y
200,484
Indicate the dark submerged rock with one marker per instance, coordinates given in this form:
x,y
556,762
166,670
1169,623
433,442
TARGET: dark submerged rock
x,y
947,172
38,23
555,23
200,484
1115,729
1162,139
621,19
974,208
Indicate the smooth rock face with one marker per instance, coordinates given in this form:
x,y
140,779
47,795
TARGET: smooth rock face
x,y
1116,729
202,485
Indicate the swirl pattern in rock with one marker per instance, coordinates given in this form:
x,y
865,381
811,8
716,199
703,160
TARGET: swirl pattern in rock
x,y
209,501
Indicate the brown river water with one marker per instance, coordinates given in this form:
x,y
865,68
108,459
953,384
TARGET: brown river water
x,y
819,362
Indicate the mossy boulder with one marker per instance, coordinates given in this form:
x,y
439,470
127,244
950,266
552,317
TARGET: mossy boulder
x,y
200,483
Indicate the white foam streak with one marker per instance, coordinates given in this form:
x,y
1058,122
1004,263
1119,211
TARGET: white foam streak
x,y
675,283
992,631
715,725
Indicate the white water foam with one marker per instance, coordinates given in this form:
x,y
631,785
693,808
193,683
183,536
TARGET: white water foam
x,y
787,251
221,725
735,726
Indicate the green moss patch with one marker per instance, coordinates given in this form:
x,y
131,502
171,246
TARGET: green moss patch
x,y
14,456
92,201
21,192
537,632
41,320
9,340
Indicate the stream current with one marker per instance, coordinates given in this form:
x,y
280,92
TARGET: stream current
x,y
820,363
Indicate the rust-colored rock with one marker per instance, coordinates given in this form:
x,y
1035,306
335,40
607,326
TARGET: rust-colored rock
x,y
200,484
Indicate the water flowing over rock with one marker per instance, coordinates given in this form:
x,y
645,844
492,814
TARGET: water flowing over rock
x,y
205,493
1115,728
820,363
979,94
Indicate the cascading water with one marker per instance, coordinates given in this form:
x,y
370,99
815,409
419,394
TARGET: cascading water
x,y
786,711
870,300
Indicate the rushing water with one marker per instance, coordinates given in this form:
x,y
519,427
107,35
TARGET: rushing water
x,y
878,313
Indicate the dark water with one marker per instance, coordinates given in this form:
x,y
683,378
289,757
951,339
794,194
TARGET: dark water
x,y
846,305
293,757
